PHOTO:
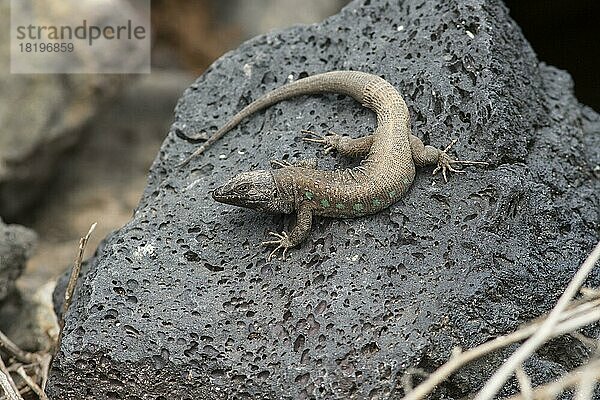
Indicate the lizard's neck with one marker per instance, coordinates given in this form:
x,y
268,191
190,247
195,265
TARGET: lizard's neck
x,y
286,193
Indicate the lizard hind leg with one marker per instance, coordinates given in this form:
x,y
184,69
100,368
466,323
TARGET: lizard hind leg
x,y
445,162
344,145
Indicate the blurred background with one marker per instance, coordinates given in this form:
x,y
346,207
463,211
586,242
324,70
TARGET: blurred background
x,y
76,149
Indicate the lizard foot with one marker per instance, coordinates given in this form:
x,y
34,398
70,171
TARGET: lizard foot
x,y
282,242
329,141
445,162
276,164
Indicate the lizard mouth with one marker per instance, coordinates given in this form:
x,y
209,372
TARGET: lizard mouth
x,y
252,189
222,196
236,199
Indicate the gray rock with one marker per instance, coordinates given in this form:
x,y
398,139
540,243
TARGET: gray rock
x,y
182,303
16,246
28,319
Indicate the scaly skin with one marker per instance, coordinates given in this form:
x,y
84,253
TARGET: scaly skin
x,y
382,177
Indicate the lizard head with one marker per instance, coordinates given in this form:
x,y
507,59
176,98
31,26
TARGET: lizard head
x,y
254,189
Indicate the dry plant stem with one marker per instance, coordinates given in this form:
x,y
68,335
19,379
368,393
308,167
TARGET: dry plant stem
x,y
407,378
577,310
524,383
587,384
40,393
580,307
585,391
45,361
589,292
573,319
73,282
75,273
8,389
576,323
11,348
567,381
7,381
542,334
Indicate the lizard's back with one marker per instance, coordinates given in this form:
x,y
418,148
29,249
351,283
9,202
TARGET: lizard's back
x,y
387,171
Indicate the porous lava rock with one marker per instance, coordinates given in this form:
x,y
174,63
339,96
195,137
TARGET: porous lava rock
x,y
182,302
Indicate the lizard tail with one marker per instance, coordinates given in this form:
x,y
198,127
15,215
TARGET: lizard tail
x,y
351,83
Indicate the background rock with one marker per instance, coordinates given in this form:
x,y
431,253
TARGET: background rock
x,y
182,303
28,319
196,32
24,319
16,246
41,116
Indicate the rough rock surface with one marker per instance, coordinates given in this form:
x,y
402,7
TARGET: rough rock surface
x,y
181,302
16,245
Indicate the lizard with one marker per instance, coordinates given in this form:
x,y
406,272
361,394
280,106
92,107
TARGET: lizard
x,y
386,171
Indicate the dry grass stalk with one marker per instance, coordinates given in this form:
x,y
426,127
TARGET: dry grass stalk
x,y
7,384
543,334
33,368
75,274
568,381
573,316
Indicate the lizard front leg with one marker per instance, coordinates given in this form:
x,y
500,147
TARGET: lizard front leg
x,y
298,235
344,145
310,163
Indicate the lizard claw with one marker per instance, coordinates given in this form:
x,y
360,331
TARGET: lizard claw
x,y
310,163
329,141
275,164
282,242
445,162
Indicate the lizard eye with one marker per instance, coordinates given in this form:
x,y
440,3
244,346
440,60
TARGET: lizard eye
x,y
244,187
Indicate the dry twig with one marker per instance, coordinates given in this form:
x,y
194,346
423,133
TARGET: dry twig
x,y
38,364
573,319
585,391
406,380
542,335
553,389
11,348
587,384
75,271
524,383
5,384
578,314
7,379
37,390
75,274
45,361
